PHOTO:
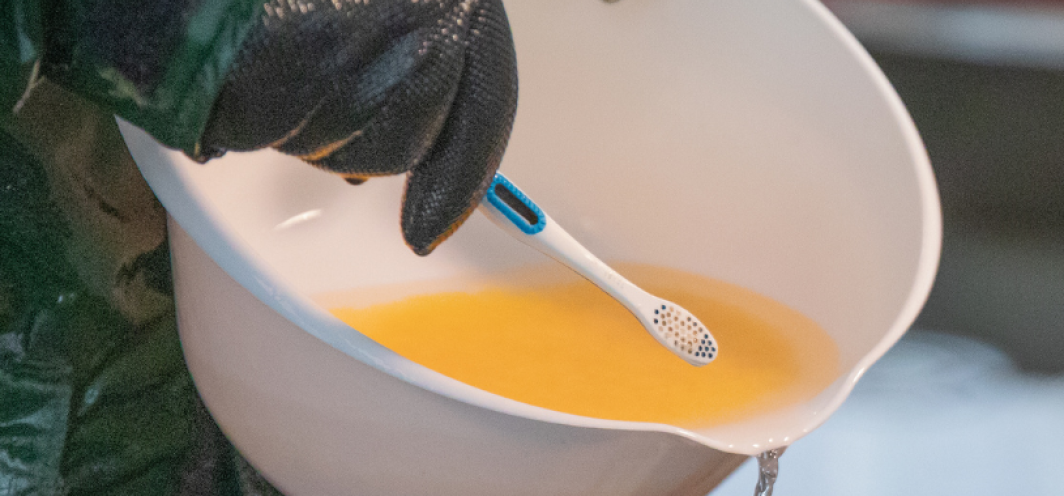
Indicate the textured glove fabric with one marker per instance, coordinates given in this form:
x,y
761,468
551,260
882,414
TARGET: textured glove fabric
x,y
369,88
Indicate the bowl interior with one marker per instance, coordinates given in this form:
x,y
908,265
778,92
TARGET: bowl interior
x,y
750,142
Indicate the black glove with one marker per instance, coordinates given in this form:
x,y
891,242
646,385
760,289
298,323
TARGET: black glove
x,y
378,87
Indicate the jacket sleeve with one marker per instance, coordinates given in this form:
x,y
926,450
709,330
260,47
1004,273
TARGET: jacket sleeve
x,y
158,63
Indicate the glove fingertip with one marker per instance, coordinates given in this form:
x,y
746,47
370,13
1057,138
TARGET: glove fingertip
x,y
422,248
430,213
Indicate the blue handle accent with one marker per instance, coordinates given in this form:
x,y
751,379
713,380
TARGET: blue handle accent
x,y
515,205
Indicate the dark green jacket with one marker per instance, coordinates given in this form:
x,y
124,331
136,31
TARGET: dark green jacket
x,y
94,395
157,63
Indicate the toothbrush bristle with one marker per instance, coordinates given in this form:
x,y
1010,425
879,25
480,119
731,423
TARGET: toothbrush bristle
x,y
684,333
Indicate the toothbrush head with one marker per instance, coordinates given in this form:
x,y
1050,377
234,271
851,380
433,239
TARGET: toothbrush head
x,y
682,333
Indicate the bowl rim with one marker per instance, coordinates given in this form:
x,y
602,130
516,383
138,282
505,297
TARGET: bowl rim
x,y
188,208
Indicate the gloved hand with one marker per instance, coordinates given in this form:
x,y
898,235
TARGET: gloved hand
x,y
377,87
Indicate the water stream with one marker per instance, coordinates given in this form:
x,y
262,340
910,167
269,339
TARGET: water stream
x,y
768,465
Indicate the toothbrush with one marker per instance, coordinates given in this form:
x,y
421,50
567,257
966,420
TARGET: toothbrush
x,y
670,324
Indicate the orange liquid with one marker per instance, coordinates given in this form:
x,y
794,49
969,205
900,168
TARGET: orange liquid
x,y
561,343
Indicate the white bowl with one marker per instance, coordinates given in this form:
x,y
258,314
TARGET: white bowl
x,y
749,141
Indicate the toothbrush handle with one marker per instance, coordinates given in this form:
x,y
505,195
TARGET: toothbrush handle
x,y
513,211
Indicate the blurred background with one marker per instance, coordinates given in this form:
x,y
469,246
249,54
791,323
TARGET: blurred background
x,y
972,400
